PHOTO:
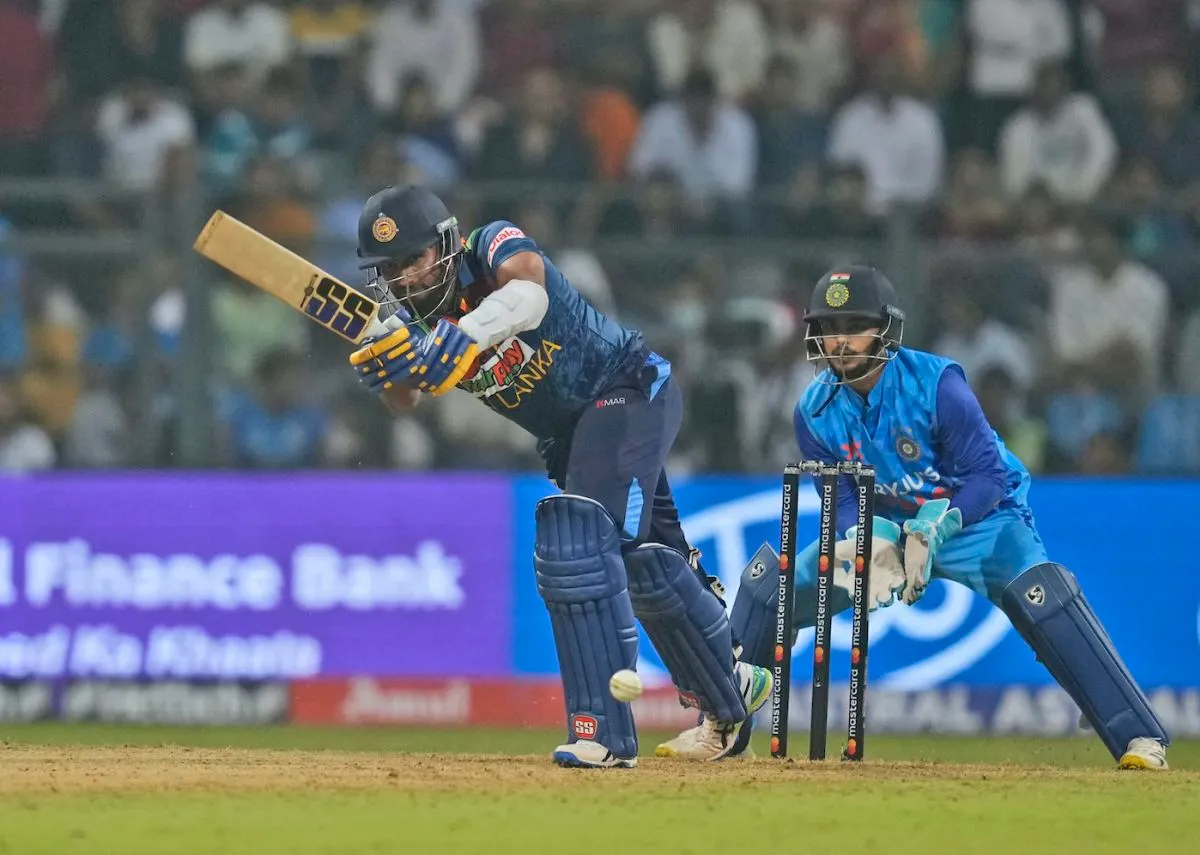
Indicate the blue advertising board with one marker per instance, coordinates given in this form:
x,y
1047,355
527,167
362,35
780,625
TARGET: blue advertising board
x,y
1123,539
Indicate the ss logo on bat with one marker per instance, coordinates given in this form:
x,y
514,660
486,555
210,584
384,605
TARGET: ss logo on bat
x,y
337,307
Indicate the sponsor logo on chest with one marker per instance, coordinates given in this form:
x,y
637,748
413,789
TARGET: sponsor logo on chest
x,y
510,371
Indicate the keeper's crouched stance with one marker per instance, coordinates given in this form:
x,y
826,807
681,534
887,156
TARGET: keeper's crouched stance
x,y
492,316
914,418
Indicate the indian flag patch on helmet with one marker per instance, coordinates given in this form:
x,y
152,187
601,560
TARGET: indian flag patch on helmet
x,y
838,292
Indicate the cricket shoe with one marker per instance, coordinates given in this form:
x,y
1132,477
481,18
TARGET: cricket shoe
x,y
590,755
1144,753
713,740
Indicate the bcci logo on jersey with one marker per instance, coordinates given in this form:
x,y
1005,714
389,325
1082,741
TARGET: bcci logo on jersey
x,y
940,639
510,371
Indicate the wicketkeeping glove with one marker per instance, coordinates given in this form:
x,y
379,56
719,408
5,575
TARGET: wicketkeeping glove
x,y
887,567
935,523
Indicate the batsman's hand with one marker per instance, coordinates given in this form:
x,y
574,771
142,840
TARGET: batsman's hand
x,y
935,523
443,358
384,363
887,566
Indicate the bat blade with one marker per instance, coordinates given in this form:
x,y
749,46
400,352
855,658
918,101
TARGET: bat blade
x,y
289,277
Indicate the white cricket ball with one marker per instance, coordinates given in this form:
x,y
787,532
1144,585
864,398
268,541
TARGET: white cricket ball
x,y
625,685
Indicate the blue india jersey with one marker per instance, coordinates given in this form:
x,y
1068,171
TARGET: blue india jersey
x,y
923,431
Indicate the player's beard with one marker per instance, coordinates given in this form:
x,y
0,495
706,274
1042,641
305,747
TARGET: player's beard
x,y
869,363
434,301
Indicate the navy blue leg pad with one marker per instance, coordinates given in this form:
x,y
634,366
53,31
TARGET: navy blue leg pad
x,y
581,578
754,608
1049,611
688,626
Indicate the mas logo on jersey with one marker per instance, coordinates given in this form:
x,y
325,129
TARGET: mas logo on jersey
x,y
384,228
510,371
505,234
838,292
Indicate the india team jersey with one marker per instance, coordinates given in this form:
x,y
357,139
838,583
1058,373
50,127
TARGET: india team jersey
x,y
541,378
920,447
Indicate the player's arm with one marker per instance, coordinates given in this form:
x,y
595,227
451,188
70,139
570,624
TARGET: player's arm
x,y
968,449
520,301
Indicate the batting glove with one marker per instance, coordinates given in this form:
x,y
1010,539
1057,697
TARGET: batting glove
x,y
443,358
935,523
384,363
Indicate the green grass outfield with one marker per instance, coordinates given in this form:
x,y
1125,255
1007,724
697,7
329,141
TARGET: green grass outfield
x,y
140,790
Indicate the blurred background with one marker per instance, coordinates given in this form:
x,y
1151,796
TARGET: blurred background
x,y
232,531
1025,170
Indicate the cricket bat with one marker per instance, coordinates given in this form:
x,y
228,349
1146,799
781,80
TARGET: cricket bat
x,y
281,273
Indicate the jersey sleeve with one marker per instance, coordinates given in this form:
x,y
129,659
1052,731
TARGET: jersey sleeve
x,y
499,241
968,448
813,448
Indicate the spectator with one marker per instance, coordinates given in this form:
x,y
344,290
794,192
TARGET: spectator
x,y
26,68
1129,36
23,445
607,44
1108,318
1060,138
578,264
1187,378
276,127
1167,129
378,165
142,130
435,38
1003,405
538,141
1155,226
50,383
1104,453
269,203
1043,230
655,211
843,209
814,43
894,138
426,138
272,424
610,121
709,145
789,137
977,342
522,35
1007,42
98,435
974,205
728,38
330,38
249,33
12,304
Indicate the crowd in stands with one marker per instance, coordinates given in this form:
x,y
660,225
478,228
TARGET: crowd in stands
x,y
691,165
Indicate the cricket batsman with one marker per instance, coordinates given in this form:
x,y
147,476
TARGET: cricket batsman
x,y
950,504
492,316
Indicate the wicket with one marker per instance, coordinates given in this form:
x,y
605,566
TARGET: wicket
x,y
828,473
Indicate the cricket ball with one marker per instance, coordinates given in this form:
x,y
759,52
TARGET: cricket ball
x,y
625,685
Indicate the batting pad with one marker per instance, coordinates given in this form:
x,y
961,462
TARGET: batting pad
x,y
581,578
755,608
1049,611
688,626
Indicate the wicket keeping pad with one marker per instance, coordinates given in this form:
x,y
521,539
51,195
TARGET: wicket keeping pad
x,y
581,578
688,626
1047,608
755,607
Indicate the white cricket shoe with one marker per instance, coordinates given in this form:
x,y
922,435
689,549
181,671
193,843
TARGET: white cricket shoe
x,y
585,754
714,740
1144,753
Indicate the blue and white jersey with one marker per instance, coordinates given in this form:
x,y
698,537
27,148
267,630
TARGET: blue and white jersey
x,y
923,430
